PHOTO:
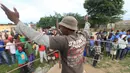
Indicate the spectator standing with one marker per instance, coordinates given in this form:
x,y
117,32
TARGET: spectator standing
x,y
29,50
10,46
97,49
22,60
115,46
3,54
122,45
42,52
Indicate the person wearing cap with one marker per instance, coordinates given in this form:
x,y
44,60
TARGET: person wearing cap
x,y
70,43
10,46
22,59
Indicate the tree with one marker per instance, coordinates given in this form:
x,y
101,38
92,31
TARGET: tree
x,y
50,21
46,21
104,11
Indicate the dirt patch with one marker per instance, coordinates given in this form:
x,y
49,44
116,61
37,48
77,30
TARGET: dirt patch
x,y
89,69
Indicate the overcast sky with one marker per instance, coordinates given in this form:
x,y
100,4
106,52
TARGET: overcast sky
x,y
32,10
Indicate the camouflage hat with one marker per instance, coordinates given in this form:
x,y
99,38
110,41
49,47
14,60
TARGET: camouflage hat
x,y
69,22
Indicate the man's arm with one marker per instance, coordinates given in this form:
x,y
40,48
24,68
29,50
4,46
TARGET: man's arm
x,y
32,34
87,29
23,29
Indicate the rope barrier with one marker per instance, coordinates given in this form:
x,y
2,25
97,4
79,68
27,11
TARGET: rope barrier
x,y
86,41
31,62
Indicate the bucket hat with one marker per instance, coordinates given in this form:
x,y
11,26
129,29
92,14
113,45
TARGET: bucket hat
x,y
69,22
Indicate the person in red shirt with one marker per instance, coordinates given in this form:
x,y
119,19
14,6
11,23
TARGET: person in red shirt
x,y
42,52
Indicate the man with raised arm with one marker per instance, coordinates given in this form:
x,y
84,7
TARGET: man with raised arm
x,y
70,44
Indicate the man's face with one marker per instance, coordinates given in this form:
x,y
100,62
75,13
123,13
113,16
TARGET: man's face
x,y
63,30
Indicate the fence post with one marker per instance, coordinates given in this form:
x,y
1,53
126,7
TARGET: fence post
x,y
59,59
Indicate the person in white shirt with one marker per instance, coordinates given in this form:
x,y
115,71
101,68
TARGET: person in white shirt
x,y
122,45
10,46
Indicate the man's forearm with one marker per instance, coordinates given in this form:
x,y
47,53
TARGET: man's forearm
x,y
87,28
32,34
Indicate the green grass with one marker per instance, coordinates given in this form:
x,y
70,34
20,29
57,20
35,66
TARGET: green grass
x,y
122,66
126,64
113,66
5,68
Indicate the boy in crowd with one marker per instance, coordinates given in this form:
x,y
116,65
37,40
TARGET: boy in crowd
x,y
42,51
115,46
29,50
10,46
97,52
91,44
22,60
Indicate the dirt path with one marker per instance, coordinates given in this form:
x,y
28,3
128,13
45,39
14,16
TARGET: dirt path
x,y
87,67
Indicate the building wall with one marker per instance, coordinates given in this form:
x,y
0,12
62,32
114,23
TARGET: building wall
x,y
6,27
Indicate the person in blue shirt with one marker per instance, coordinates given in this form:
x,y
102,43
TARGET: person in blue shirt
x,y
91,44
122,32
22,60
112,37
108,45
117,35
3,54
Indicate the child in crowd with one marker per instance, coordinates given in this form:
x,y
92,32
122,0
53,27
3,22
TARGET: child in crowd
x,y
42,51
22,38
108,45
36,48
115,46
91,45
22,60
97,49
30,53
29,50
10,46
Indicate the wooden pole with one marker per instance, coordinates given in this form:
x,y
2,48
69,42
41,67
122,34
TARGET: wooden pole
x,y
59,60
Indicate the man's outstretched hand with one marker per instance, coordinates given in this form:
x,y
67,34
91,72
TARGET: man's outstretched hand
x,y
12,15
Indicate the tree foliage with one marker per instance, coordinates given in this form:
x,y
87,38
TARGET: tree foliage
x,y
49,21
104,11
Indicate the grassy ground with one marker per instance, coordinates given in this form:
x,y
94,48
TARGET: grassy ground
x,y
114,66
106,64
5,68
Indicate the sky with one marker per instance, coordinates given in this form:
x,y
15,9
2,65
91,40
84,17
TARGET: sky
x,y
33,10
